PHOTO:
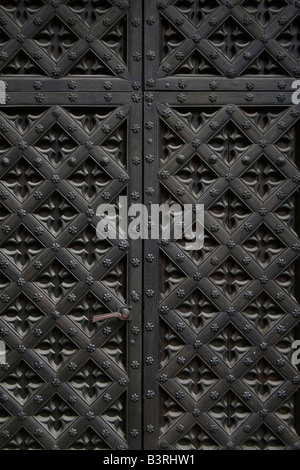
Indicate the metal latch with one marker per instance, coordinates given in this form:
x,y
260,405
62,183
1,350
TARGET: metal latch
x,y
122,315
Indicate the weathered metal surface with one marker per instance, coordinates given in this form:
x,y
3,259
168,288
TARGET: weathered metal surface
x,y
231,39
67,146
223,134
198,112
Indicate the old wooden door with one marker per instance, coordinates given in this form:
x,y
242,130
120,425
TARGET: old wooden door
x,y
71,139
185,101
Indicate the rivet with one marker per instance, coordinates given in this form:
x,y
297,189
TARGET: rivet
x,y
5,161
281,161
180,158
246,160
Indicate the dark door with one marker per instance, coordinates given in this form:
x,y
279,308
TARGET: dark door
x,y
169,101
71,134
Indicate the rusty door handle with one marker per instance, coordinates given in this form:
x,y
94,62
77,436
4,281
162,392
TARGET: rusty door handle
x,y
122,315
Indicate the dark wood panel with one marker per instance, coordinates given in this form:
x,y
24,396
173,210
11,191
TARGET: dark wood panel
x,y
226,314
73,107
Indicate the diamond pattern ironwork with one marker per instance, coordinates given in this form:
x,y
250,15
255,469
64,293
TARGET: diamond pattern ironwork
x,y
229,345
201,106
